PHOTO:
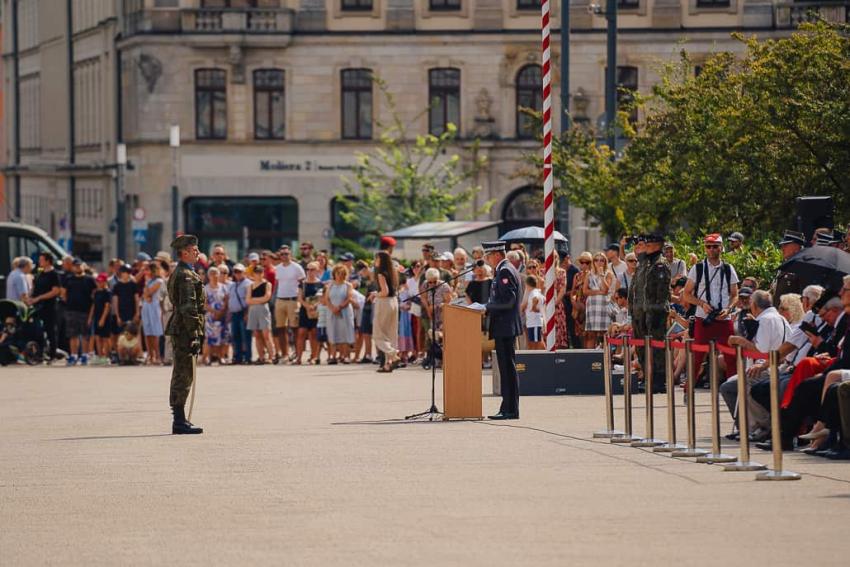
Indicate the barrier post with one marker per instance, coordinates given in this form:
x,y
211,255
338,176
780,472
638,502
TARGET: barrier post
x,y
609,394
776,434
716,456
671,445
743,463
649,440
691,450
627,437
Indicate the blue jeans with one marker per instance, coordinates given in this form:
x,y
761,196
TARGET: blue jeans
x,y
241,337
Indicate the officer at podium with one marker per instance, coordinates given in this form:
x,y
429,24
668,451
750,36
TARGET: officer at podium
x,y
505,325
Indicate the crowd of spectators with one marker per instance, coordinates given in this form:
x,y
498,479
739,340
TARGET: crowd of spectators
x,y
288,307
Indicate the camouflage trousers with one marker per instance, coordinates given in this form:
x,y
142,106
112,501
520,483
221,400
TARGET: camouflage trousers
x,y
654,324
182,372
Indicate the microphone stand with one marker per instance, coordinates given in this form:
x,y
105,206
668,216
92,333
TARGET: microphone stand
x,y
433,413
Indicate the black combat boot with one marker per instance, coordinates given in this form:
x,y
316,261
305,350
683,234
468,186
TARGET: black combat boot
x,y
181,425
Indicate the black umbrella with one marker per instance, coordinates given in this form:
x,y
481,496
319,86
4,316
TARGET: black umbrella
x,y
821,265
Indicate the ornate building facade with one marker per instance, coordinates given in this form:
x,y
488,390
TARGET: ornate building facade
x,y
273,98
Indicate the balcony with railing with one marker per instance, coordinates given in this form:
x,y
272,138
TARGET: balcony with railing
x,y
139,20
790,15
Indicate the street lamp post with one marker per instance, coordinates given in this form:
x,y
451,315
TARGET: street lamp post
x,y
120,201
611,75
174,142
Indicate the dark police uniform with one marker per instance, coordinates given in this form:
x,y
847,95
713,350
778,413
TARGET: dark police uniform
x,y
505,325
636,297
786,282
186,329
656,307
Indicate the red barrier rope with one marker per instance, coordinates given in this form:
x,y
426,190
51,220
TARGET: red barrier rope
x,y
657,344
615,342
751,354
680,345
700,348
637,342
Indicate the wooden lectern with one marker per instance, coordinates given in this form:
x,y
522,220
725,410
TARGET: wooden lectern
x,y
462,362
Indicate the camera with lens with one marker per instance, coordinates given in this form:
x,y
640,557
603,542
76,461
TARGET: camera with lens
x,y
712,317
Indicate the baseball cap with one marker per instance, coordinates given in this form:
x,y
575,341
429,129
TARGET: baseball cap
x,y
388,241
347,257
737,236
614,247
102,277
713,238
125,268
77,262
745,291
239,267
253,257
143,257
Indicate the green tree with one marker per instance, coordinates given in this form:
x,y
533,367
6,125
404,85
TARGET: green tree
x,y
729,149
410,179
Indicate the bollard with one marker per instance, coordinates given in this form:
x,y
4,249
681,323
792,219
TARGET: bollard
x,y
743,463
649,440
691,450
671,445
627,436
609,394
716,456
776,434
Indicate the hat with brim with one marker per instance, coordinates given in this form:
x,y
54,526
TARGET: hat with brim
x,y
825,239
238,267
653,238
745,291
493,246
183,241
713,238
793,237
736,236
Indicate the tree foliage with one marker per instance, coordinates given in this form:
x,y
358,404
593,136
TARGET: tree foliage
x,y
728,149
410,179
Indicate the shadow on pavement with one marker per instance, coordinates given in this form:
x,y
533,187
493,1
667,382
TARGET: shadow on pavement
x,y
96,438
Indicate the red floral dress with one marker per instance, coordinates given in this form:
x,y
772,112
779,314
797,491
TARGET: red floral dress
x,y
562,339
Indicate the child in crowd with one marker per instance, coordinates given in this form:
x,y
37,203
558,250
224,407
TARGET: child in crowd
x,y
618,312
321,324
101,319
406,345
129,345
534,301
125,302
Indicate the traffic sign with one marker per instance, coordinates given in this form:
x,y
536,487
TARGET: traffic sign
x,y
138,214
140,235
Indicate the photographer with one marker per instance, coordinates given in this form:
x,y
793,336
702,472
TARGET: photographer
x,y
713,288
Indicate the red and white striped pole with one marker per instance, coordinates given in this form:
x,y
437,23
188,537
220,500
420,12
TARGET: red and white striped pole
x,y
548,197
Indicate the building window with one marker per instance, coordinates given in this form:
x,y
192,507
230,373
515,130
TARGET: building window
x,y
242,224
444,94
444,5
228,3
528,4
628,4
357,104
357,5
269,104
627,85
210,104
529,94
712,3
524,208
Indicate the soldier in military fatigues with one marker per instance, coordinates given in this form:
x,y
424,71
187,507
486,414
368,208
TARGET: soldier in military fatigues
x,y
185,327
656,297
505,325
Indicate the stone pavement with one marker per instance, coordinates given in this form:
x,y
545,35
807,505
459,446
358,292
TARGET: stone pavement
x,y
297,468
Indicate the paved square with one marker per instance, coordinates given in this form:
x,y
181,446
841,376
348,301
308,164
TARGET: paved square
x,y
296,468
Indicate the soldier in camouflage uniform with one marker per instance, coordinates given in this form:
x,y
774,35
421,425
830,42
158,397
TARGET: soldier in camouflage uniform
x,y
185,327
656,297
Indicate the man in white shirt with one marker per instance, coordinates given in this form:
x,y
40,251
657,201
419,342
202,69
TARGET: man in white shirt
x,y
18,286
713,287
773,331
612,252
677,265
288,277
